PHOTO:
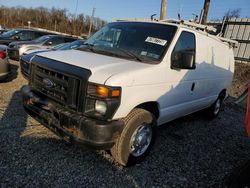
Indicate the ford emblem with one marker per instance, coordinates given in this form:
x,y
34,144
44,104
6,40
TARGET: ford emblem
x,y
48,83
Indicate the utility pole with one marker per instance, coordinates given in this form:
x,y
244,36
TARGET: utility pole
x,y
91,21
55,25
163,9
205,12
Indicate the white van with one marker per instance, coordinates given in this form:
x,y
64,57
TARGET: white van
x,y
128,78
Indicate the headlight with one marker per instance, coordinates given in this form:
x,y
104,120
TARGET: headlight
x,y
100,107
102,101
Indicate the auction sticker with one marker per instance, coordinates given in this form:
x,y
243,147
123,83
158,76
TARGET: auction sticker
x,y
156,41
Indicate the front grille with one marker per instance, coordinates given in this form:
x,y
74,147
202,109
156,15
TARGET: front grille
x,y
62,83
65,89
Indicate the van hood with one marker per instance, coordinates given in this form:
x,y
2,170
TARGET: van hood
x,y
102,67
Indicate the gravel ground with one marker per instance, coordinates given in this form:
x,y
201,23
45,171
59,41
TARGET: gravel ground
x,y
189,152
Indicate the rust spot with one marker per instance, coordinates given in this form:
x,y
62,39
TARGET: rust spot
x,y
73,130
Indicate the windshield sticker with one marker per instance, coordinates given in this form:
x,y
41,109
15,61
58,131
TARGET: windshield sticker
x,y
156,41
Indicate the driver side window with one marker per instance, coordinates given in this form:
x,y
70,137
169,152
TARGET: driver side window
x,y
183,55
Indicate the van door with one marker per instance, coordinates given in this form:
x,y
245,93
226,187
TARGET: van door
x,y
181,79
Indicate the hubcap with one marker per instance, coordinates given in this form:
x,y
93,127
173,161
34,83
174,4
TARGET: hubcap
x,y
217,107
141,140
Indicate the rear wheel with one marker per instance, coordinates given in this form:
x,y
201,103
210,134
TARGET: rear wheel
x,y
136,139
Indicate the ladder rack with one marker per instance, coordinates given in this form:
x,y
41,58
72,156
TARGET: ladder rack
x,y
193,25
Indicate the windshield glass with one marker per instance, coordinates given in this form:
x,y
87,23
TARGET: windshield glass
x,y
72,45
42,39
137,40
10,33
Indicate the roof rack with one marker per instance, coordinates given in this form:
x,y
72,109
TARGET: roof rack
x,y
197,26
205,28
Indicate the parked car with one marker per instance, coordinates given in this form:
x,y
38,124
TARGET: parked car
x,y
21,35
3,31
128,78
4,63
16,49
25,59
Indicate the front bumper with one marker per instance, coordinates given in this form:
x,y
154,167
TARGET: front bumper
x,y
71,126
24,68
13,53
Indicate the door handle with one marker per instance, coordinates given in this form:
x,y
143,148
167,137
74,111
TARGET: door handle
x,y
193,85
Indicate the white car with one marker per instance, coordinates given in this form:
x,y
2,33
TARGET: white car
x,y
129,78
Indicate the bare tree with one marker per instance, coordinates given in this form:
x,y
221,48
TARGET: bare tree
x,y
234,13
48,19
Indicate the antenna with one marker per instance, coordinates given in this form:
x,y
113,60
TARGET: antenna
x,y
179,16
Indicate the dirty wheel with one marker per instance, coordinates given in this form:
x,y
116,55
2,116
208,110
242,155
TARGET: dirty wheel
x,y
136,139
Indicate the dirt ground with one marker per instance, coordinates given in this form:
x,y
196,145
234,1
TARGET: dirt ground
x,y
189,152
241,79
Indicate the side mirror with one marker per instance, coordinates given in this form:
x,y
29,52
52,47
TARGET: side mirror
x,y
16,37
183,60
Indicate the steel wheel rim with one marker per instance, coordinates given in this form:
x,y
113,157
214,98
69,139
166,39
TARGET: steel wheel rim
x,y
217,107
141,140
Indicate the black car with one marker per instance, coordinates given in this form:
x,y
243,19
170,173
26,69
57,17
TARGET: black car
x,y
25,59
46,41
21,35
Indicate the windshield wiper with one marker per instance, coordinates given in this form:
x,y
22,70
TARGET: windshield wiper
x,y
88,46
131,54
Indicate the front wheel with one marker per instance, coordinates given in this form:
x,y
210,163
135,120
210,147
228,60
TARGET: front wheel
x,y
136,139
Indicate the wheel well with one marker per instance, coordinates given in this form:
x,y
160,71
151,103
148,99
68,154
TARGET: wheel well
x,y
152,107
223,94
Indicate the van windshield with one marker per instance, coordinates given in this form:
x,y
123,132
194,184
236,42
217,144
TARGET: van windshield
x,y
145,42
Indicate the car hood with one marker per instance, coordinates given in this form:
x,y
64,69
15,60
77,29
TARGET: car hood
x,y
22,42
102,67
4,38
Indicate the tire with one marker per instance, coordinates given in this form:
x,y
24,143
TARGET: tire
x,y
214,110
136,139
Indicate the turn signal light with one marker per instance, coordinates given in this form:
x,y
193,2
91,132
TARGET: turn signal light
x,y
102,91
116,93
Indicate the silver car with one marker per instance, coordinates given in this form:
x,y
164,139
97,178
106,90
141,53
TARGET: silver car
x,y
4,63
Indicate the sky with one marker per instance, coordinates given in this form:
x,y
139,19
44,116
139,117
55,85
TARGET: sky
x,y
115,9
